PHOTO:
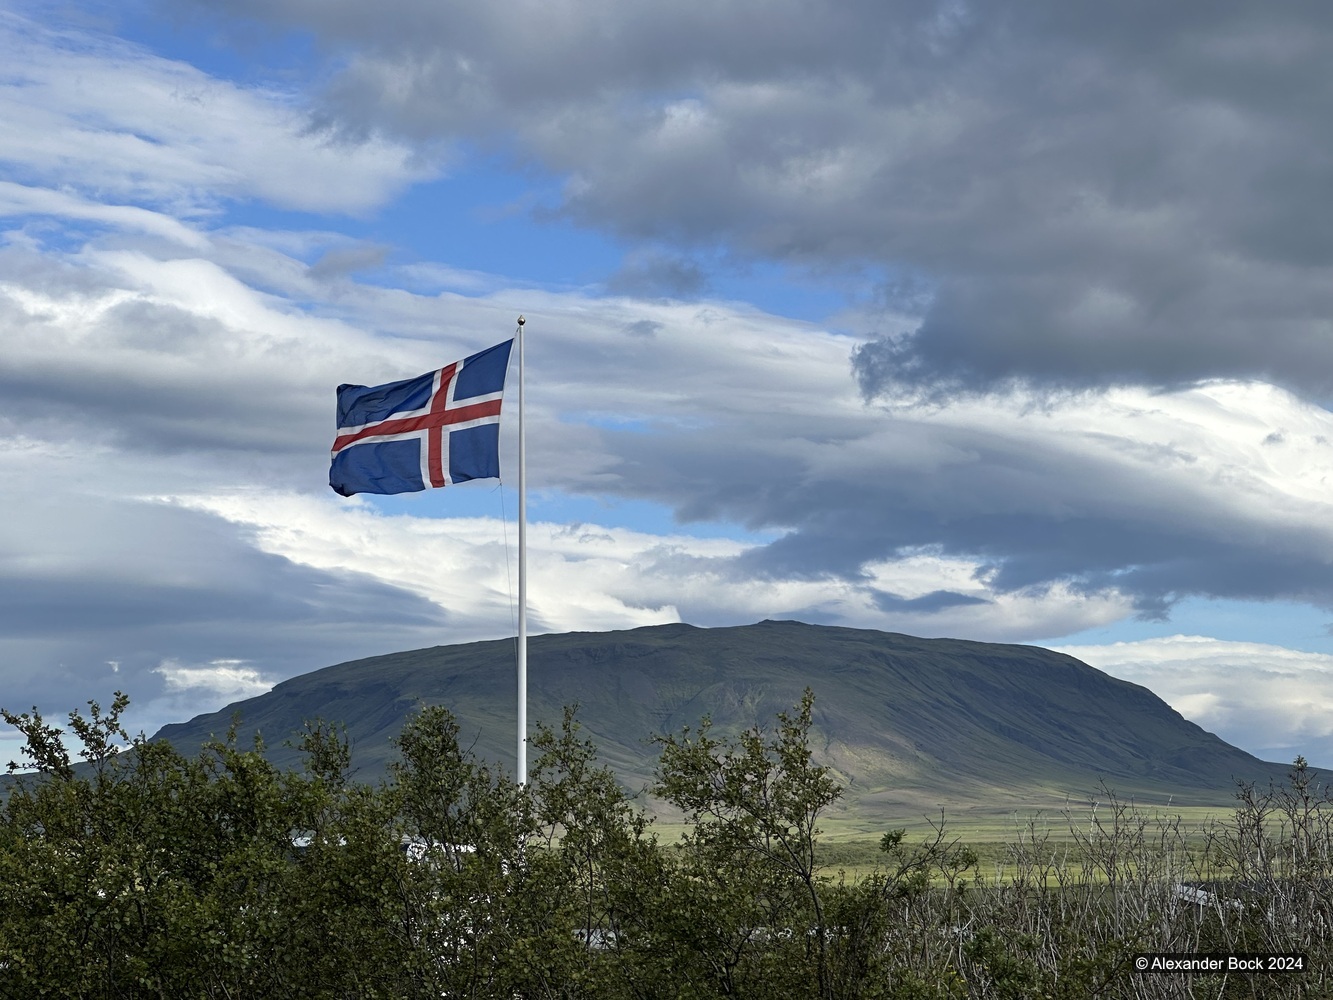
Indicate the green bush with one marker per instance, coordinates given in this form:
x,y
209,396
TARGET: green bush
x,y
141,872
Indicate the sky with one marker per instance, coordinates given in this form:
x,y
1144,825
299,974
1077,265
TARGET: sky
x,y
1008,321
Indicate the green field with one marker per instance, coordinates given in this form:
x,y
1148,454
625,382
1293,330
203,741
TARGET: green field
x,y
846,846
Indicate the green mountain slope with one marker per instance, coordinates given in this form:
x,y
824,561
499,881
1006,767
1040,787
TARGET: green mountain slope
x,y
906,723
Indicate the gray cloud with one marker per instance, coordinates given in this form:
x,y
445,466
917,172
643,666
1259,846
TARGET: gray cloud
x,y
934,601
650,274
343,261
1154,528
643,328
94,357
89,581
1114,195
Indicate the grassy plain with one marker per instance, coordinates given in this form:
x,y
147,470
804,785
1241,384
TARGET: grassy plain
x,y
846,845
978,826
1065,840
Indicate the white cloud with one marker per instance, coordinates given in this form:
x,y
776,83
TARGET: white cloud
x,y
191,689
219,680
581,576
20,200
593,577
1247,456
1269,700
106,117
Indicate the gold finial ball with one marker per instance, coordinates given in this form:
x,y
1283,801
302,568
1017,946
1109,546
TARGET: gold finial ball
x,y
521,321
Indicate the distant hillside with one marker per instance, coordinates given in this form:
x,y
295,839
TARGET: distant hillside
x,y
907,723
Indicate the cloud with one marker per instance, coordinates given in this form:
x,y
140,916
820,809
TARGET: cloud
x,y
1075,197
98,589
190,689
18,200
343,261
725,414
588,577
643,328
651,273
112,120
232,680
1155,496
1266,699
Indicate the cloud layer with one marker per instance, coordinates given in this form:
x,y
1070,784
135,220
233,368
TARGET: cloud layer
x,y
1075,196
175,419
722,415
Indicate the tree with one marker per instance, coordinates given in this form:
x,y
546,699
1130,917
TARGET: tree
x,y
752,880
149,874
141,872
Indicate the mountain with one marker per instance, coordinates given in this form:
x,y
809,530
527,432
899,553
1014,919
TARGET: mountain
x,y
906,723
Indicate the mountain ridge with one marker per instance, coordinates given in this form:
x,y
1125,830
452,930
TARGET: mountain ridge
x,y
902,721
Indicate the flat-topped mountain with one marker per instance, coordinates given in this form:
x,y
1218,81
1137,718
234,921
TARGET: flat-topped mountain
x,y
906,723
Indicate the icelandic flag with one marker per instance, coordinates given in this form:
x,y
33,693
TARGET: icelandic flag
x,y
425,432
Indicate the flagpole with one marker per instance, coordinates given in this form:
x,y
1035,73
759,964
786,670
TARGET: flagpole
x,y
522,769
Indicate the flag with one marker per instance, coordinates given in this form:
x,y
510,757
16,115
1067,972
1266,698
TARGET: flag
x,y
421,433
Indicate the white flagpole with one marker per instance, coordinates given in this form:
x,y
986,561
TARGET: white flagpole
x,y
522,769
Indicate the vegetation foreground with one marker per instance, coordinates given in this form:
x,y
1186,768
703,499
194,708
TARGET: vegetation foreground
x,y
153,874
